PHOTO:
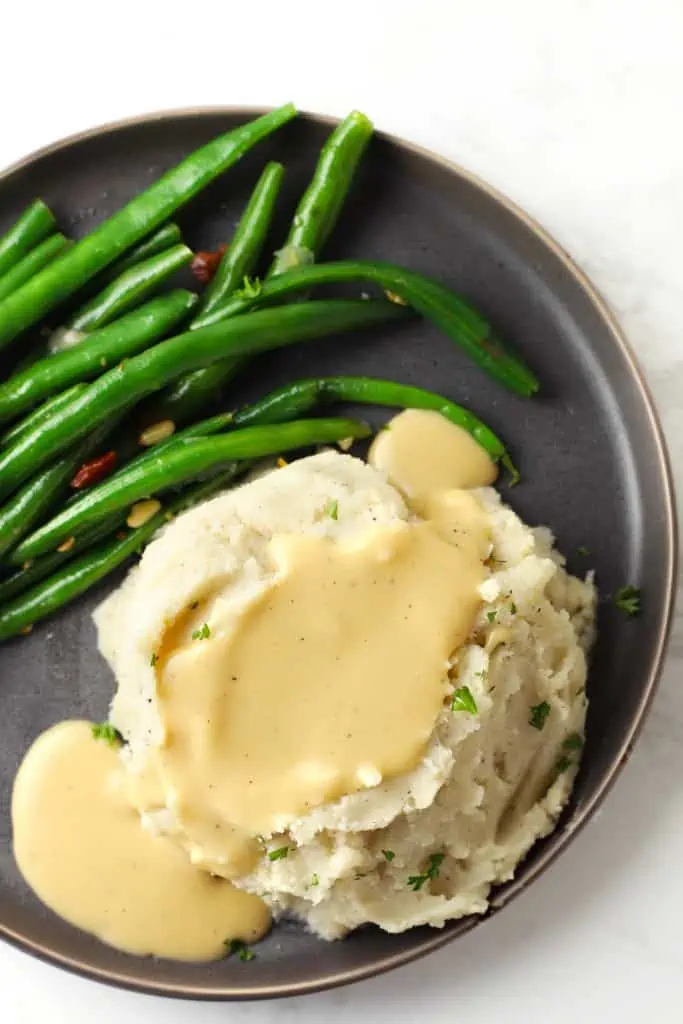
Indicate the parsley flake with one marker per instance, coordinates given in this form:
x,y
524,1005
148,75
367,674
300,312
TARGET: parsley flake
x,y
251,288
315,881
572,742
241,948
491,616
278,854
513,608
627,600
389,855
583,551
106,732
463,700
332,508
538,714
563,763
154,659
202,634
416,882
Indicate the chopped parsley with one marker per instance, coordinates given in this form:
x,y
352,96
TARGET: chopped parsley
x,y
583,551
513,608
389,855
627,600
332,508
195,604
106,732
241,948
154,659
463,700
571,743
315,881
202,634
416,882
538,714
278,854
251,288
491,616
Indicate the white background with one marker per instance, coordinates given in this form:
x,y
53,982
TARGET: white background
x,y
575,110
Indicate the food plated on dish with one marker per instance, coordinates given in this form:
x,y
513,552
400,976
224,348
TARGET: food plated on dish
x,y
350,687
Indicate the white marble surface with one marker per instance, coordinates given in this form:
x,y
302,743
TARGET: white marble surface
x,y
574,110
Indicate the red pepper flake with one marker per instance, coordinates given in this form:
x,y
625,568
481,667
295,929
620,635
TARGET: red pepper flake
x,y
205,264
92,472
491,347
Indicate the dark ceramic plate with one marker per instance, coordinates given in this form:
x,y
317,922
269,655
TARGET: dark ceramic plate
x,y
590,450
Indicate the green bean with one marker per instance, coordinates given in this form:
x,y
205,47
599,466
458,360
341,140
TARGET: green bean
x,y
245,247
204,428
143,214
460,321
159,241
193,392
133,286
405,396
321,203
36,223
183,461
103,348
32,572
39,414
277,407
128,443
287,402
34,261
315,217
301,396
37,497
274,408
124,385
190,395
79,575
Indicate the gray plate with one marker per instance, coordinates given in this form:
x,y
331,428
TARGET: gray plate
x,y
590,449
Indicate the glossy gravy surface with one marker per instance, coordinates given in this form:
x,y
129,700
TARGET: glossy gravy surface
x,y
423,454
82,849
328,682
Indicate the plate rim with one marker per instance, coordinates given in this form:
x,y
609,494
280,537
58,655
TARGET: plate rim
x,y
119,978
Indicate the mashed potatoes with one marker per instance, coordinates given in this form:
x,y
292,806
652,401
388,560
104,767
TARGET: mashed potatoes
x,y
425,846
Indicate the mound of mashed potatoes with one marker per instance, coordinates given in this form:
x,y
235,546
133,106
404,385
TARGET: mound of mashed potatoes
x,y
423,846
